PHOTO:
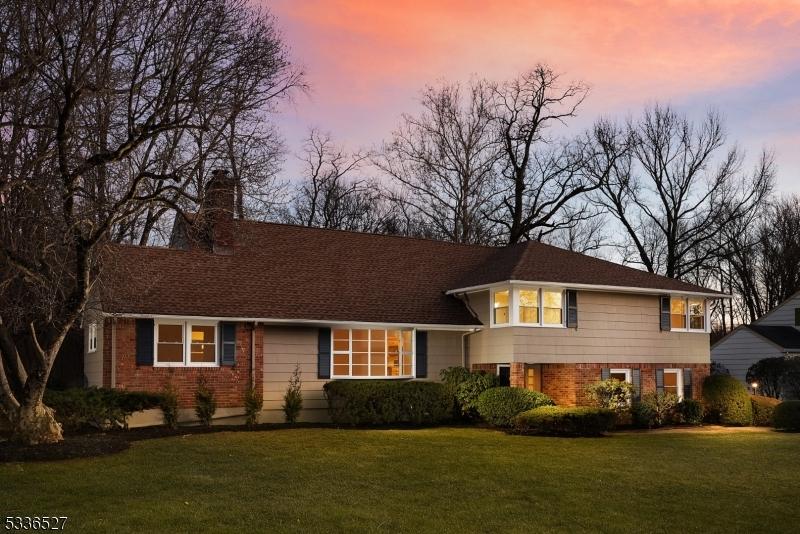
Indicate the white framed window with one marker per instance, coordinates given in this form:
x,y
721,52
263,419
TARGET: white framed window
x,y
372,353
92,337
527,306
623,375
501,306
673,382
186,344
688,314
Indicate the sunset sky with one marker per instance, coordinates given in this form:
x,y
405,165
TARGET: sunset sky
x,y
367,61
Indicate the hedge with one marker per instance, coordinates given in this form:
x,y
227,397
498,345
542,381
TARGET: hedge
x,y
465,387
387,402
498,406
99,408
727,401
564,421
763,409
787,415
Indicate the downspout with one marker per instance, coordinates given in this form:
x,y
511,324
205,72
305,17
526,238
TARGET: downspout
x,y
465,299
253,355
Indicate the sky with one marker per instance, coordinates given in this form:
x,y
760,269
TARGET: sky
x,y
367,61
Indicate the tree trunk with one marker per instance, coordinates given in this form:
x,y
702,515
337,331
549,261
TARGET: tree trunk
x,y
36,425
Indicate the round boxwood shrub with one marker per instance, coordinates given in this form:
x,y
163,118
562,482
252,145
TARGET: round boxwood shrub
x,y
727,401
564,421
465,387
787,415
763,409
498,406
387,402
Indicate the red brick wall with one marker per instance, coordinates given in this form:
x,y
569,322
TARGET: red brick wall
x,y
229,383
566,383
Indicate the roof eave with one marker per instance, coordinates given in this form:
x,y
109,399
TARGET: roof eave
x,y
592,287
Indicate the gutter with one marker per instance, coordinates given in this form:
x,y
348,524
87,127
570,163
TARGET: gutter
x,y
590,287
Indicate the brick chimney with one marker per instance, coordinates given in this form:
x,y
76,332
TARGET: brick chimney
x,y
216,212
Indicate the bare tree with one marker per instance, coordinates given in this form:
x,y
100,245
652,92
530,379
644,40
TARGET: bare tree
x,y
99,100
541,180
674,188
443,161
332,194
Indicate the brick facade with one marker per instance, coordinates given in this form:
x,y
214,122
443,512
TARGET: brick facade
x,y
566,383
229,383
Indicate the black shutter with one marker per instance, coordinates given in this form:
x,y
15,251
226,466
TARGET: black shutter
x,y
422,354
227,343
144,341
605,373
797,316
659,381
572,308
324,353
636,380
665,318
687,383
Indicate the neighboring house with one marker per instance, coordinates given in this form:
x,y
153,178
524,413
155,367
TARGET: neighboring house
x,y
242,302
776,334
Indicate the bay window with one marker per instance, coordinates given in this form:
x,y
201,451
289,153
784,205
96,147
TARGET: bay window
x,y
500,307
527,306
185,344
372,353
552,306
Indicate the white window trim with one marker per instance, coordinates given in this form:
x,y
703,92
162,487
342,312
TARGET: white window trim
x,y
92,337
513,306
626,372
678,381
349,353
187,342
706,322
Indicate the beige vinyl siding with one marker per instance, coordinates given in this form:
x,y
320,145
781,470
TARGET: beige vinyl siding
x,y
284,347
490,345
612,327
783,315
741,349
444,350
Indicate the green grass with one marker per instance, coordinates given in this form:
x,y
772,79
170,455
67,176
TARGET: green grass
x,y
443,480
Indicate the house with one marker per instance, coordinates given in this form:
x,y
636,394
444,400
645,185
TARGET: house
x,y
775,334
241,303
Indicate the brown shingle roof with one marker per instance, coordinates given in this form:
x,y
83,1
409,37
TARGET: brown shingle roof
x,y
293,272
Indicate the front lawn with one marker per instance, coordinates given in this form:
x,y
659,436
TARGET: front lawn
x,y
444,479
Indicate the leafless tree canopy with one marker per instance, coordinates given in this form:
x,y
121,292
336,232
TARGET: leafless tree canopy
x,y
112,111
674,187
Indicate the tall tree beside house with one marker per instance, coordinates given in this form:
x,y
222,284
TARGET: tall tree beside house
x,y
442,162
98,100
675,186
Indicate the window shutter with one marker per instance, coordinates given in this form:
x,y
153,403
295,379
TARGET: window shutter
x,y
324,353
687,383
572,308
422,354
144,341
659,381
665,318
636,380
605,373
797,316
227,343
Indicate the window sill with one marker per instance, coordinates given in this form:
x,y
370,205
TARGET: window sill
x,y
348,377
188,366
688,331
529,325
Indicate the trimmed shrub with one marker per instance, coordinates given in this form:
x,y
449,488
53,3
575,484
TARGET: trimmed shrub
x,y
206,404
169,406
99,408
498,406
655,410
690,412
253,404
387,402
466,387
726,401
612,394
763,409
564,421
293,398
787,416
